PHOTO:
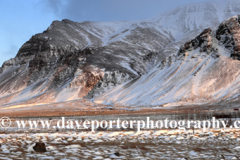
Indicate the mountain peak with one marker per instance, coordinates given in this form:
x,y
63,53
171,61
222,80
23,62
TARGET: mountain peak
x,y
198,15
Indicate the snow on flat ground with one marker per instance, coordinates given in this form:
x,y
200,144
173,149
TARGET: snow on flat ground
x,y
151,144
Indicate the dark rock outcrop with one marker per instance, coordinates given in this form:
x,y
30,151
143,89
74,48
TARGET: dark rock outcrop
x,y
40,147
203,41
117,154
228,33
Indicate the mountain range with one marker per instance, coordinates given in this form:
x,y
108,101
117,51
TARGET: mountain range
x,y
188,55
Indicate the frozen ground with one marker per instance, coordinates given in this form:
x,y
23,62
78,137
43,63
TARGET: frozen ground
x,y
151,144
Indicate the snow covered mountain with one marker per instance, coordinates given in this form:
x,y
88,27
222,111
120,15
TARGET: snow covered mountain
x,y
198,15
205,70
130,63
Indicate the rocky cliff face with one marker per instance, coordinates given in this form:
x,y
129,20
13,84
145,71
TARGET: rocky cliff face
x,y
69,59
43,74
228,33
203,41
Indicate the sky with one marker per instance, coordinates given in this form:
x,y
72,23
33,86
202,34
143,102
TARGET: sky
x,y
21,19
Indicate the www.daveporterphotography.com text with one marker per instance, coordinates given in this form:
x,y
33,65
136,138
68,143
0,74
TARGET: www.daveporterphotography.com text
x,y
93,125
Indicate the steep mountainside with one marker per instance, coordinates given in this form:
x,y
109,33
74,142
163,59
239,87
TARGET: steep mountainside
x,y
130,63
67,60
204,70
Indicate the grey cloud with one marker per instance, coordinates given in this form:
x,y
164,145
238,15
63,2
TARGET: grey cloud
x,y
111,10
54,6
